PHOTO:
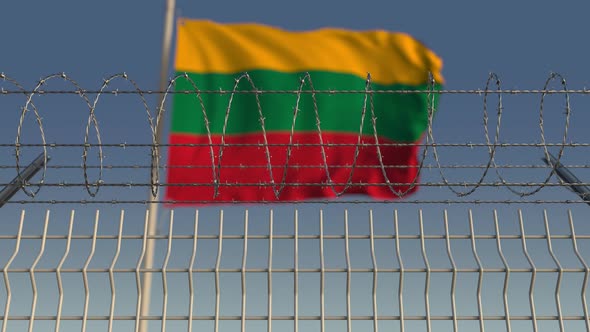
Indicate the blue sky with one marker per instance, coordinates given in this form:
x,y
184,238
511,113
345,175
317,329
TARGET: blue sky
x,y
523,42
522,45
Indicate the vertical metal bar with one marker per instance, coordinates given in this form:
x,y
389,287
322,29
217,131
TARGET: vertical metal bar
x,y
270,231
348,273
480,274
427,281
85,273
191,286
148,263
58,273
5,271
296,271
506,276
560,273
153,205
375,270
454,278
401,273
534,274
243,272
322,274
164,270
586,269
139,312
32,272
217,266
112,274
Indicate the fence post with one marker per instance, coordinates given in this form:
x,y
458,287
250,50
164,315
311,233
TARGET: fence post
x,y
153,205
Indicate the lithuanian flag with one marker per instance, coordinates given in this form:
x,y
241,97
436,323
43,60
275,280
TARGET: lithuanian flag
x,y
265,114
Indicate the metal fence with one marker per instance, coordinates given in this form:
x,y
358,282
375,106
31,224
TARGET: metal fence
x,y
327,281
473,249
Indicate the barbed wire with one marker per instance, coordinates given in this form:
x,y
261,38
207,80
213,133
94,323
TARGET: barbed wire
x,y
426,166
363,144
367,113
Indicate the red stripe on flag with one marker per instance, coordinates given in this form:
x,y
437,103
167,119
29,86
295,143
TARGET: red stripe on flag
x,y
244,173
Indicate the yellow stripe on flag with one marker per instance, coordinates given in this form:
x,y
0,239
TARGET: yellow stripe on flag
x,y
391,58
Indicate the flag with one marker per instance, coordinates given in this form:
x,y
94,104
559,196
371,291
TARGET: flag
x,y
265,114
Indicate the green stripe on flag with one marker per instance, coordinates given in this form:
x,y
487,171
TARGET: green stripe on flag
x,y
400,117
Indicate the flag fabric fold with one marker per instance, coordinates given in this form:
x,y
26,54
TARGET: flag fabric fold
x,y
265,114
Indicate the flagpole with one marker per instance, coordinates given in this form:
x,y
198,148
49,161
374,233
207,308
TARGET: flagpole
x,y
146,285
